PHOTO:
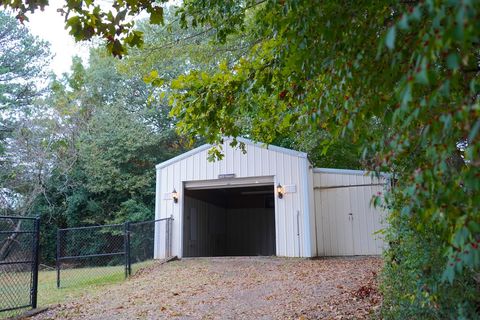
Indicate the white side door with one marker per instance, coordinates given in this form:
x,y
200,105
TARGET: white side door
x,y
335,225
366,220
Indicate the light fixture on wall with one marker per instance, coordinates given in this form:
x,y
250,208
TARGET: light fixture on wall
x,y
280,191
175,196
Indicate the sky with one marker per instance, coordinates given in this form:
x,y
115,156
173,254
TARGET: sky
x,y
49,25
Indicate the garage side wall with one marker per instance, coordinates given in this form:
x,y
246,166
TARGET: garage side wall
x,y
292,213
346,221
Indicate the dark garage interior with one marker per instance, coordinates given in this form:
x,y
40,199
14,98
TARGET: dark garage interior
x,y
236,221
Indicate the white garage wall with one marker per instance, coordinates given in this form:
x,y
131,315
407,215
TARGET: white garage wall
x,y
288,167
337,193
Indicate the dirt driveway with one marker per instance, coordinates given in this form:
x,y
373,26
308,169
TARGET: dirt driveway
x,y
237,288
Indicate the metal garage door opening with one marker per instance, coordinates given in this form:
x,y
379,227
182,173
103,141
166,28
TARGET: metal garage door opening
x,y
237,221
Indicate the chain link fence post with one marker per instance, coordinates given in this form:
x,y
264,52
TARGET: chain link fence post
x,y
170,233
167,238
35,253
128,261
57,258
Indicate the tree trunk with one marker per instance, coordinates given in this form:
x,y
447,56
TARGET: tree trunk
x,y
9,241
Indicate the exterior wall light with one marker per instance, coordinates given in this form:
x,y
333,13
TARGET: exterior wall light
x,y
280,191
175,196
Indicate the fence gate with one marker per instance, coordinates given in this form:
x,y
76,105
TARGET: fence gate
x,y
87,255
104,253
19,244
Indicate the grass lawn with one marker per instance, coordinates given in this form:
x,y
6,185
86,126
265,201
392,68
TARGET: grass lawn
x,y
74,283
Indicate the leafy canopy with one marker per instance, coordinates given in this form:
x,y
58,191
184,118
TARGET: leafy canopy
x,y
86,19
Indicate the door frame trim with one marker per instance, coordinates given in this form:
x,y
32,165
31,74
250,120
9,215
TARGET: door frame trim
x,y
229,183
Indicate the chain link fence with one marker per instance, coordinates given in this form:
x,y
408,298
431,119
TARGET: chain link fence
x,y
142,241
19,240
88,255
107,253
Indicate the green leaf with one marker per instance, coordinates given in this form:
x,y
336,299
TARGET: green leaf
x,y
135,39
151,76
416,14
156,15
117,49
403,23
453,61
406,95
422,76
448,274
474,131
75,27
120,16
390,39
461,237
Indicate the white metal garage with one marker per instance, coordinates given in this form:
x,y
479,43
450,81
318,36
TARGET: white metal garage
x,y
268,201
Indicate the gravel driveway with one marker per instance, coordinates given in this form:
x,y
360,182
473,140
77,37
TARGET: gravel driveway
x,y
237,288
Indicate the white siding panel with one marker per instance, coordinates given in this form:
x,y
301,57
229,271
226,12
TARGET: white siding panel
x,y
197,167
287,199
158,203
336,195
265,163
311,211
229,161
190,167
320,220
326,223
282,209
272,162
242,164
294,207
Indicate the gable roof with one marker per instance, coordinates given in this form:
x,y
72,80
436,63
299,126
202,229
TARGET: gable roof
x,y
242,140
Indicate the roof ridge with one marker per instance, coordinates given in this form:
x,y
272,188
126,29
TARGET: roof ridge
x,y
201,148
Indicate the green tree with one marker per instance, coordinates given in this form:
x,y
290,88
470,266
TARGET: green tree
x,y
108,142
23,60
24,144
